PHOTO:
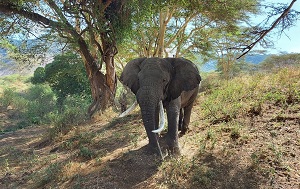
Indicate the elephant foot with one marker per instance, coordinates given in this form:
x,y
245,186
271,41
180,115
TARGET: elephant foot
x,y
171,146
183,131
174,151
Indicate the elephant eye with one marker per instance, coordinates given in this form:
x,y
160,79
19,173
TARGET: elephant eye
x,y
164,80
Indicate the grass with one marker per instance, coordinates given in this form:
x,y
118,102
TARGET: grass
x,y
244,134
19,82
245,94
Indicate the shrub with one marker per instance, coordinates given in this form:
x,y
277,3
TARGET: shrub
x,y
74,112
38,76
8,97
41,102
66,76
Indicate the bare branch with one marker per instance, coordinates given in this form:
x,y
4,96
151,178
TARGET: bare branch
x,y
263,33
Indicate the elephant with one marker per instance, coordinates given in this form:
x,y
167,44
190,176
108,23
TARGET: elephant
x,y
172,82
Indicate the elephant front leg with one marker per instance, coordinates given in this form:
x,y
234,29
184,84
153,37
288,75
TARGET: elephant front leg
x,y
180,123
173,111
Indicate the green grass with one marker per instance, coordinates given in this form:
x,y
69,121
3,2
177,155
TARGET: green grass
x,y
241,95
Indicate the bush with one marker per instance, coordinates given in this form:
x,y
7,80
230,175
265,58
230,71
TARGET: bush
x,y
74,112
8,97
38,76
41,102
66,76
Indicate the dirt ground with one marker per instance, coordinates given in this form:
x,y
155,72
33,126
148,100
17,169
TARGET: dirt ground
x,y
263,152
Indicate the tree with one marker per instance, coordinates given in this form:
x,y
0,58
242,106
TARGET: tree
x,y
185,28
90,27
65,75
280,61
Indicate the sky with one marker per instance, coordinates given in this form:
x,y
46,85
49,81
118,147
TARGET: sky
x,y
289,41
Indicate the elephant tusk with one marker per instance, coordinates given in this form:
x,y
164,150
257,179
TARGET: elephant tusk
x,y
161,119
132,107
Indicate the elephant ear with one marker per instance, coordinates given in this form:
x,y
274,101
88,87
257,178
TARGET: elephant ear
x,y
129,76
185,77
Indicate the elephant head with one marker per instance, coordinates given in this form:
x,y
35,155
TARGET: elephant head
x,y
155,80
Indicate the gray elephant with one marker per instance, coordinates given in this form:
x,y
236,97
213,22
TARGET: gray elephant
x,y
173,82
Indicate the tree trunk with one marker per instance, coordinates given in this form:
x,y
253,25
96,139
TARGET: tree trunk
x,y
103,87
99,92
111,77
164,18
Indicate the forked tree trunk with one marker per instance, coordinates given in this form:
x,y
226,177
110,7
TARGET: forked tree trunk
x,y
103,87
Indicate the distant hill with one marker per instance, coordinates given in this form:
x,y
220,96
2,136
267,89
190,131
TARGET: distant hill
x,y
6,65
252,59
256,58
9,66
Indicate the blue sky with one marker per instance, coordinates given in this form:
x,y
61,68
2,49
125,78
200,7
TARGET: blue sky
x,y
289,41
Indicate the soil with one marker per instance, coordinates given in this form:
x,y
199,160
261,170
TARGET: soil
x,y
263,152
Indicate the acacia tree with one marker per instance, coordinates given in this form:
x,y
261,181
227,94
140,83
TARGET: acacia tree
x,y
90,27
185,27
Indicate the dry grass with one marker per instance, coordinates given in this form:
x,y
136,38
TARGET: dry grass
x,y
244,134
14,81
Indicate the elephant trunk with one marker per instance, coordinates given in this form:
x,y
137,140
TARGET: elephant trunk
x,y
148,102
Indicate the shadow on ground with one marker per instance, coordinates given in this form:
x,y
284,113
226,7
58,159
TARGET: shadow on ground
x,y
127,171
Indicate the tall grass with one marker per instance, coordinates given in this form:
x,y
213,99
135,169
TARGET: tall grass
x,y
226,100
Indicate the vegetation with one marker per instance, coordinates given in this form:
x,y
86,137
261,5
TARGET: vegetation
x,y
95,29
244,134
65,75
277,62
57,96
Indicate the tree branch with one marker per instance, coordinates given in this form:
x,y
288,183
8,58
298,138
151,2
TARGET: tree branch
x,y
182,28
10,9
263,33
